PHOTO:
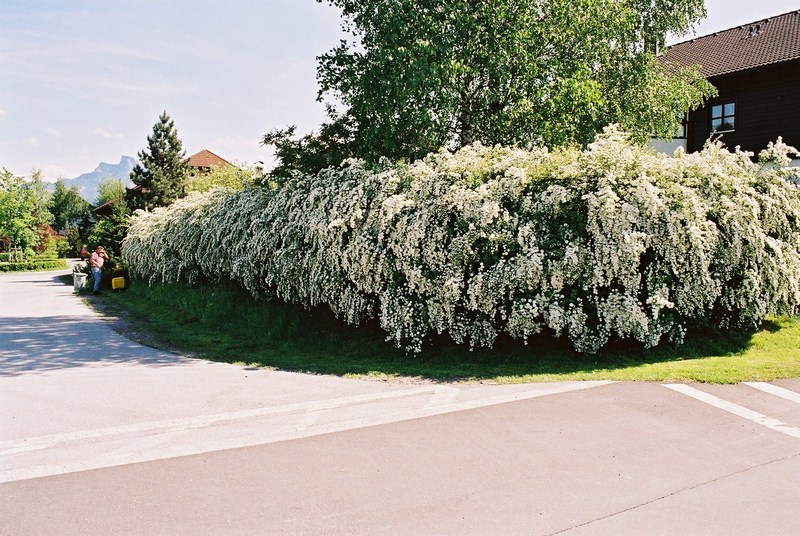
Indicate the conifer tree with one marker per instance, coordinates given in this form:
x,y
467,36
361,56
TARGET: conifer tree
x,y
161,175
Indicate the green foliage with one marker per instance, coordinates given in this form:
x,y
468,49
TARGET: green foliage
x,y
68,208
611,242
70,244
110,231
161,176
23,209
16,214
34,265
110,189
425,74
226,177
40,199
223,323
314,152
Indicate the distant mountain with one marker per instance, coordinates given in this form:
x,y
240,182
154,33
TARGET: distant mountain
x,y
88,183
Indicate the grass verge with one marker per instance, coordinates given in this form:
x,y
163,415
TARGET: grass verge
x,y
226,324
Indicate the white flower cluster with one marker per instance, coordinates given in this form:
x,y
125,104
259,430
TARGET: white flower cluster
x,y
613,241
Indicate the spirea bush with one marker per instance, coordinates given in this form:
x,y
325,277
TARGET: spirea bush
x,y
612,241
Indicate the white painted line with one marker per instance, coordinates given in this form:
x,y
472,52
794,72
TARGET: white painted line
x,y
775,390
140,448
740,411
15,446
312,417
443,395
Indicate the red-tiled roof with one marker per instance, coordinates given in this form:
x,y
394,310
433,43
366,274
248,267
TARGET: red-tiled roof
x,y
763,42
206,159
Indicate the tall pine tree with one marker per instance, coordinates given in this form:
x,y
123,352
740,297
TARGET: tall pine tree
x,y
162,173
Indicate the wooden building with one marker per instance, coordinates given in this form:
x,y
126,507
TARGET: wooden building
x,y
205,161
756,69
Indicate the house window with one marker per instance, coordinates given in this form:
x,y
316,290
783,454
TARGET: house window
x,y
723,117
681,132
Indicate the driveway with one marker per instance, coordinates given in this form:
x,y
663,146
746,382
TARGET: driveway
x,y
77,395
100,435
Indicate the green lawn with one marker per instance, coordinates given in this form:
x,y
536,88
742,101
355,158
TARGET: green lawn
x,y
226,324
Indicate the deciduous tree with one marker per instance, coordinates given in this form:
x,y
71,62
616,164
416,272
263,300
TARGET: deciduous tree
x,y
67,206
423,74
329,146
23,209
227,177
111,229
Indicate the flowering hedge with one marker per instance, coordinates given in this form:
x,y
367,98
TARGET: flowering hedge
x,y
611,241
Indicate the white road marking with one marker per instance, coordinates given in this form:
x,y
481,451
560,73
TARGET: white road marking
x,y
443,395
167,439
15,446
740,411
775,390
312,417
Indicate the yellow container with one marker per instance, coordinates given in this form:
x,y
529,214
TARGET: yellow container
x,y
117,283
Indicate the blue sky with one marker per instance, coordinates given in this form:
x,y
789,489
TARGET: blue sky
x,y
83,81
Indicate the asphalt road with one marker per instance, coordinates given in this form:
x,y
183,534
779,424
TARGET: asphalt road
x,y
99,435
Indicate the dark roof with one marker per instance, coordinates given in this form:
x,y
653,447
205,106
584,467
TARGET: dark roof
x,y
763,42
105,209
207,159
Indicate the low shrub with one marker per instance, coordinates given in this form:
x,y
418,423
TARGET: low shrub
x,y
35,265
614,241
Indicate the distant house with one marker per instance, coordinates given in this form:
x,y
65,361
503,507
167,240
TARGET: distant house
x,y
103,211
756,69
205,161
201,163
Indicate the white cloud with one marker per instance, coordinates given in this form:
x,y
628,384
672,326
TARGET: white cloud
x,y
33,142
50,131
106,134
3,113
52,173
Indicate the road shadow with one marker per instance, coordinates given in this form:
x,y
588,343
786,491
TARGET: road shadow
x,y
30,345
